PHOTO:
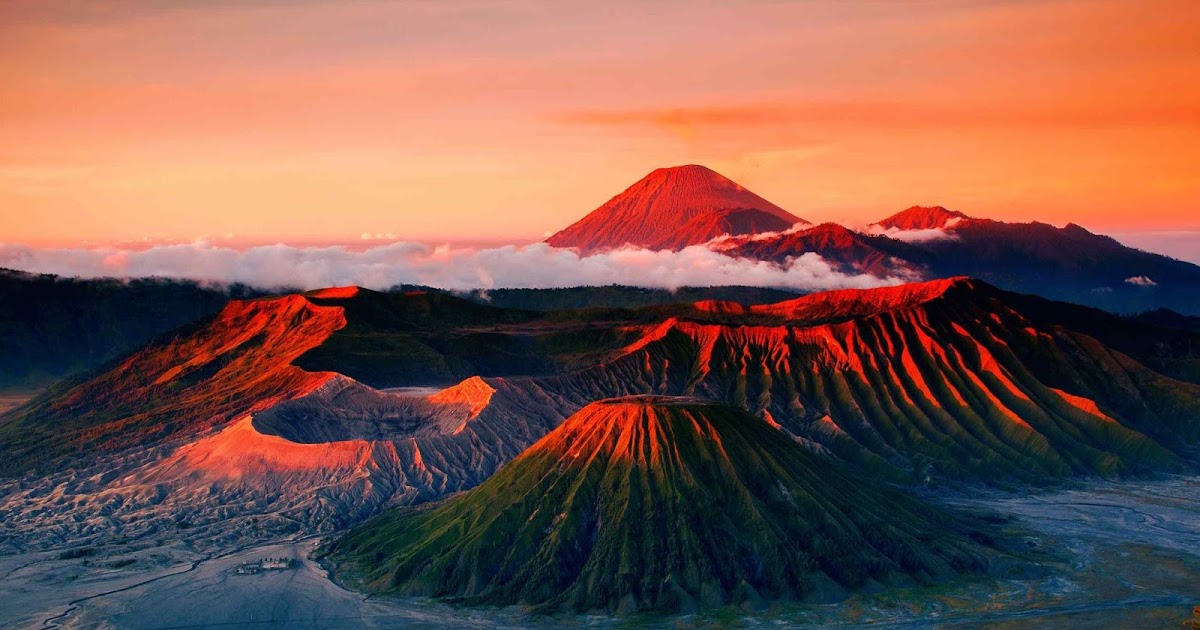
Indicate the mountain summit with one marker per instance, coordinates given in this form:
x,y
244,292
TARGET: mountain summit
x,y
672,208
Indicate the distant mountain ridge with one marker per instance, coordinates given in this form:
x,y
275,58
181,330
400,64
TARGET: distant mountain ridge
x,y
692,205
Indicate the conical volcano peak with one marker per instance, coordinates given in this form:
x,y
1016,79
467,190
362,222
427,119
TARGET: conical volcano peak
x,y
630,428
694,170
700,180
672,208
692,190
707,504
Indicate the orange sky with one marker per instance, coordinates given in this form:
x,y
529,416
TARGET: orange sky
x,y
298,120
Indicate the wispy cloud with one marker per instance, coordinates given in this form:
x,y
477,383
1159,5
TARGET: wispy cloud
x,y
687,120
915,236
531,266
729,241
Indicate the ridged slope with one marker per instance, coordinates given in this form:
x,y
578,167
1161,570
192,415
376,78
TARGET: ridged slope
x,y
655,503
238,362
943,378
672,208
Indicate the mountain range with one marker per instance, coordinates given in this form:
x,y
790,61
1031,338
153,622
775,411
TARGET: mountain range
x,y
606,449
53,327
286,411
685,206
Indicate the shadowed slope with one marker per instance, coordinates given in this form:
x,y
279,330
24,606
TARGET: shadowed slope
x,y
1067,263
655,503
418,338
672,208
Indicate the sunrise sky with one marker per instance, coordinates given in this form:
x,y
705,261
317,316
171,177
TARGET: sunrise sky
x,y
491,121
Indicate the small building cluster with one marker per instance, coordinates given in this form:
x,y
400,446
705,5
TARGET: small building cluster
x,y
266,564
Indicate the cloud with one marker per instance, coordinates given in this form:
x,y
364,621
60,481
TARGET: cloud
x,y
1141,281
729,241
916,236
1180,244
443,266
689,120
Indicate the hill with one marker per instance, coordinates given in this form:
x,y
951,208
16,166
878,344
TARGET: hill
x,y
848,251
651,503
1068,263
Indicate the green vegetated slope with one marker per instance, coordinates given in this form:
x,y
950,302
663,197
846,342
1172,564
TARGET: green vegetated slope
x,y
651,503
430,338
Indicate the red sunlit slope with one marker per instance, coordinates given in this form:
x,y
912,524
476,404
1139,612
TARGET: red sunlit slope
x,y
238,362
672,208
852,303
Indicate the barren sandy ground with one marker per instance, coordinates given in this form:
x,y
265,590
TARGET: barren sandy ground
x,y
195,592
1116,555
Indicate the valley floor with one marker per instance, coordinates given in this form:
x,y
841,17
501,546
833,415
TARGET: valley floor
x,y
1116,555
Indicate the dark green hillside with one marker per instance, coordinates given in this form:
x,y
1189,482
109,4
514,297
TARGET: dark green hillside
x,y
653,503
431,338
51,327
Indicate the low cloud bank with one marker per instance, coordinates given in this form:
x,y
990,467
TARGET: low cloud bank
x,y
916,236
533,266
